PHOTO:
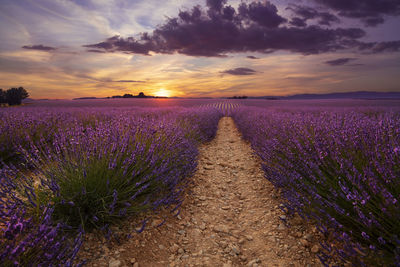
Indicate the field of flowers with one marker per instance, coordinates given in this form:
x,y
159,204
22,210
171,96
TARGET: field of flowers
x,y
338,168
68,167
66,171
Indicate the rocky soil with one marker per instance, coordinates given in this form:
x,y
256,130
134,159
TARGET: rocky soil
x,y
231,216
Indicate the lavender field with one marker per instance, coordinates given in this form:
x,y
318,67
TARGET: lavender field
x,y
71,167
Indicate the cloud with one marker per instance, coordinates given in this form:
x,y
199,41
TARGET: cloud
x,y
305,13
222,29
371,12
264,14
252,57
299,22
240,71
392,46
379,47
339,61
96,51
39,47
129,81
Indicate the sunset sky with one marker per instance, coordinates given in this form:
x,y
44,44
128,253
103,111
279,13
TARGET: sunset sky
x,y
199,48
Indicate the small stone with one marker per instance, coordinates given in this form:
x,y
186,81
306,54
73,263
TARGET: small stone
x,y
281,227
197,233
156,222
282,217
227,264
235,250
315,249
297,257
225,208
161,247
223,244
249,237
252,262
136,264
174,248
304,242
308,237
181,251
221,228
181,232
202,226
114,263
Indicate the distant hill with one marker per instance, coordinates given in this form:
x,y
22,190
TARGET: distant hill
x,y
349,95
83,98
27,100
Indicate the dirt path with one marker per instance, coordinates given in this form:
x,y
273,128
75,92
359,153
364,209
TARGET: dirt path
x,y
230,217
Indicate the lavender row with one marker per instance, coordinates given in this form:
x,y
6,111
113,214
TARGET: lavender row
x,y
340,169
79,169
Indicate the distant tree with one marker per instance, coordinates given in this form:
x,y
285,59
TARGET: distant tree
x,y
238,97
141,95
2,96
127,96
14,96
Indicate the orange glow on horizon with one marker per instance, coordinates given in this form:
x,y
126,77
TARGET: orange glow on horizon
x,y
163,93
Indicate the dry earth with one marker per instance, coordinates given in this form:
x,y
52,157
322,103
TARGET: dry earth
x,y
231,216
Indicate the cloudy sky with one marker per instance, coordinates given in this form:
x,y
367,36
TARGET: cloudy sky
x,y
80,48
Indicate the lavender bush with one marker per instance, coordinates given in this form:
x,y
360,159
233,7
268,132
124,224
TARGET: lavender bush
x,y
26,239
91,168
98,174
340,169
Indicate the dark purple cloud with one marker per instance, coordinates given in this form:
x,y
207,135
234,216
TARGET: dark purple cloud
x,y
339,61
254,27
392,46
252,57
95,51
129,81
371,12
240,71
298,22
326,18
379,47
39,47
215,5
304,13
264,14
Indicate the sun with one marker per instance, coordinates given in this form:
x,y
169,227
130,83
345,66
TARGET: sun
x,y
163,92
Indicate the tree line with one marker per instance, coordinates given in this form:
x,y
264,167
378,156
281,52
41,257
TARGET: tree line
x,y
13,96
